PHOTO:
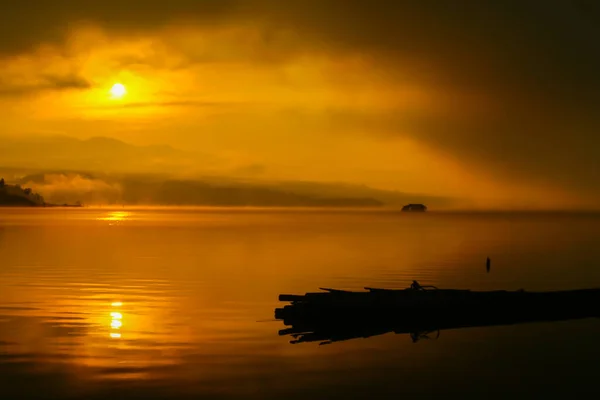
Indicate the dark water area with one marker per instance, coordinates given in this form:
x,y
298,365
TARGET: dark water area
x,y
169,304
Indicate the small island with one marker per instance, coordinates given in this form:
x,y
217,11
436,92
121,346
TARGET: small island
x,y
16,196
414,208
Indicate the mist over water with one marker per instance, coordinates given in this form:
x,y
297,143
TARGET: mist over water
x,y
161,303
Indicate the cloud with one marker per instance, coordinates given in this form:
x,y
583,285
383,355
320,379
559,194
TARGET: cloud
x,y
70,188
182,103
12,87
67,82
511,49
24,26
558,150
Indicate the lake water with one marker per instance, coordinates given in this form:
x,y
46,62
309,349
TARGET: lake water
x,y
168,304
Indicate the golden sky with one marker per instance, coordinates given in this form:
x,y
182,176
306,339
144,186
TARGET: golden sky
x,y
494,102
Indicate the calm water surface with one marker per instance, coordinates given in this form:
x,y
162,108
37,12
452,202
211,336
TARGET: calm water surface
x,y
179,304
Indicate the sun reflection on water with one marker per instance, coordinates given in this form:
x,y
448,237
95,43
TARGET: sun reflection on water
x,y
116,324
115,217
116,321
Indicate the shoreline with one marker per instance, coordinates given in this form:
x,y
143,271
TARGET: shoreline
x,y
374,210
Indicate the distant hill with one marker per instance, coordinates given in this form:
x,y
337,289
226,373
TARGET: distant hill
x,y
148,189
177,192
388,197
103,170
94,154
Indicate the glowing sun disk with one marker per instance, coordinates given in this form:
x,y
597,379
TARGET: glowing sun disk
x,y
118,90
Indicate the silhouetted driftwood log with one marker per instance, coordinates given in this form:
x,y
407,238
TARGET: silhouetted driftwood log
x,y
334,315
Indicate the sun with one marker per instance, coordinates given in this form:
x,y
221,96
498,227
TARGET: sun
x,y
118,90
